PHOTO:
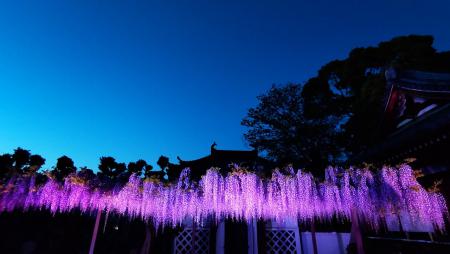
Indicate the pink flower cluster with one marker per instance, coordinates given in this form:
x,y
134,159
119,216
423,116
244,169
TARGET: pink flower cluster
x,y
243,195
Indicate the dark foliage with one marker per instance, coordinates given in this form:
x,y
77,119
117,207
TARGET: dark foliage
x,y
137,167
64,167
278,126
147,170
109,168
20,162
36,162
163,162
337,113
21,158
6,164
354,88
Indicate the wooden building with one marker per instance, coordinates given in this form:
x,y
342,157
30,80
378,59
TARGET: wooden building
x,y
226,160
416,124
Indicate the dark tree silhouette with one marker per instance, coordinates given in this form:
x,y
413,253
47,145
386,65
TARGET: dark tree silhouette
x,y
163,162
6,164
110,169
107,167
140,165
132,168
86,173
353,89
36,162
137,167
147,171
336,114
21,158
122,173
278,128
64,167
20,162
121,168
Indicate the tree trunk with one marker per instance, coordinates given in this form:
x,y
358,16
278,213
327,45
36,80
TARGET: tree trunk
x,y
356,233
148,236
313,236
94,233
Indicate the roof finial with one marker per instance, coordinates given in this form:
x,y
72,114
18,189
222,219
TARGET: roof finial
x,y
213,146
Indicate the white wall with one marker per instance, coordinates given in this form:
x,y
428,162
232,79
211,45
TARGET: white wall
x,y
327,242
417,225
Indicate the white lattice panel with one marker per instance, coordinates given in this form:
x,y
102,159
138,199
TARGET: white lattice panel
x,y
183,241
281,241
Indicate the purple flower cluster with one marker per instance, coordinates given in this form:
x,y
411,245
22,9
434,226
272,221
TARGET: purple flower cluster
x,y
243,196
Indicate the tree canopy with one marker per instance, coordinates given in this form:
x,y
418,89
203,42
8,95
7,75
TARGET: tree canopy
x,y
278,127
335,114
22,161
64,167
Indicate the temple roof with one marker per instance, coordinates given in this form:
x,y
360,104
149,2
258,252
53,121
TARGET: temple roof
x,y
222,155
416,117
428,130
419,81
218,158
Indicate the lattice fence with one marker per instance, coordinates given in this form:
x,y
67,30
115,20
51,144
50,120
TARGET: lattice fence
x,y
280,241
183,241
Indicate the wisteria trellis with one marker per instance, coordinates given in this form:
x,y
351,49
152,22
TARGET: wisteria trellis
x,y
243,195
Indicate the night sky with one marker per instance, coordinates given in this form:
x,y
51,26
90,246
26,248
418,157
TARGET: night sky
x,y
137,79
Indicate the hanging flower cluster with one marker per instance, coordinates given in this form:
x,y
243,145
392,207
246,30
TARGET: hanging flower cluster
x,y
242,195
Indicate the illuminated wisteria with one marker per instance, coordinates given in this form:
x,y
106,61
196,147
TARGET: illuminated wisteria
x,y
242,195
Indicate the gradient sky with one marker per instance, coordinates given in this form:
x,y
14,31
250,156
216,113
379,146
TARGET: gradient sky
x,y
137,79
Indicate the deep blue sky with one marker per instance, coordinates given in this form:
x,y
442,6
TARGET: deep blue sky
x,y
137,79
